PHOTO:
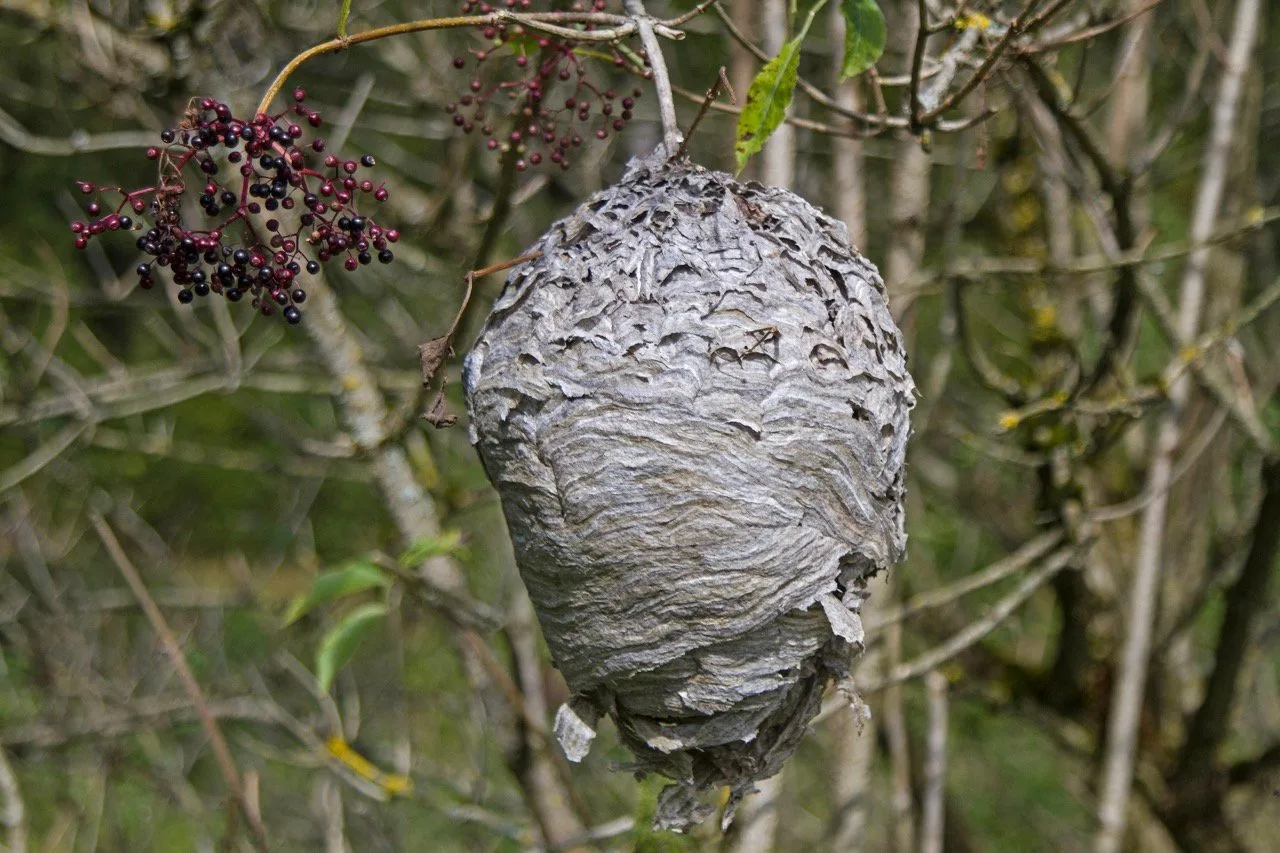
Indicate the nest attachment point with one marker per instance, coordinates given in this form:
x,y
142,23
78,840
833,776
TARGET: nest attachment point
x,y
694,406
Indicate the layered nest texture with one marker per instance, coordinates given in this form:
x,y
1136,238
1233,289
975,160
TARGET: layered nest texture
x,y
694,406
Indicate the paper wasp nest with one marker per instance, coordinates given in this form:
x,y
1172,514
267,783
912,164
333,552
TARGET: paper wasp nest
x,y
694,406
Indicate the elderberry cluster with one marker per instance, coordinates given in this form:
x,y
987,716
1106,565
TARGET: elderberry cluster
x,y
283,208
544,128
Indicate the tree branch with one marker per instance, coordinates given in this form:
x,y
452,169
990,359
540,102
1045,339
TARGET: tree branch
x,y
13,813
1126,706
1246,598
935,766
661,81
221,752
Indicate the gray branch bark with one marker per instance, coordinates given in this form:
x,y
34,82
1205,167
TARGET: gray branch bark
x,y
1126,707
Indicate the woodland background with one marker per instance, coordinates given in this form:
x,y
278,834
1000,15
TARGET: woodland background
x,y
1079,654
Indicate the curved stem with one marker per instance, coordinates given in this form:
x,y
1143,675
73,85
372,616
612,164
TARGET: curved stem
x,y
337,44
548,22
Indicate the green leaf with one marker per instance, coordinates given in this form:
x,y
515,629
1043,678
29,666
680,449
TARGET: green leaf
x,y
770,95
343,14
356,576
864,36
767,101
340,641
447,542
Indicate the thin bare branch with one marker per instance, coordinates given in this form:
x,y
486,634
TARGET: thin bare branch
x,y
45,452
13,133
13,812
721,84
935,766
661,81
975,631
1031,551
221,752
1126,705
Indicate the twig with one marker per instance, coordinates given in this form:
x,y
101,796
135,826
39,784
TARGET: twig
x,y
221,752
1126,705
917,62
1245,600
691,14
617,27
658,65
1130,684
1238,406
977,630
304,677
409,411
1175,118
365,414
855,749
722,83
1188,461
935,765
470,280
433,353
329,803
13,814
46,451
778,157
992,574
229,458
603,832
1090,32
1085,265
894,723
848,155
556,818
983,369
151,715
833,130
78,143
1022,24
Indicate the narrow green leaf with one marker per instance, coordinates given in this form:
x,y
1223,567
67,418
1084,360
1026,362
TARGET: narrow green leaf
x,y
770,95
356,576
447,542
341,641
864,36
767,101
343,14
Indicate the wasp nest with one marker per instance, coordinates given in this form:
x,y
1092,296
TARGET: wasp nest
x,y
694,406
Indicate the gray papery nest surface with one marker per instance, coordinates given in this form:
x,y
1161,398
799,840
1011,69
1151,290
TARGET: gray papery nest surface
x,y
694,406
